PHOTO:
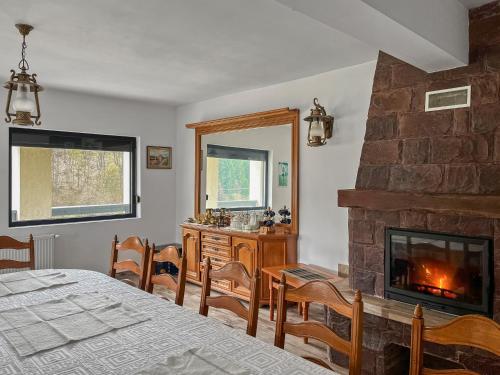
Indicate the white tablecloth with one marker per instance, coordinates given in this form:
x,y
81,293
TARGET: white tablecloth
x,y
171,331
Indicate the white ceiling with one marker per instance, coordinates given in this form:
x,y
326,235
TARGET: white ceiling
x,y
176,51
181,51
474,3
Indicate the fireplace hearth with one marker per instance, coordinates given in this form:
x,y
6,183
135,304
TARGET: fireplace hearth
x,y
444,272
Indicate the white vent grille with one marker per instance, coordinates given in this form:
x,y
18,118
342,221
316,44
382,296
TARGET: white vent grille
x,y
458,97
44,253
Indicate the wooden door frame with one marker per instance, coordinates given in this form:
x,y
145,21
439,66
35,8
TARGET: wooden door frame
x,y
282,116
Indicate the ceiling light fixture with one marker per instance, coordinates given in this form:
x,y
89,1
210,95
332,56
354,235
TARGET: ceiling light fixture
x,y
25,89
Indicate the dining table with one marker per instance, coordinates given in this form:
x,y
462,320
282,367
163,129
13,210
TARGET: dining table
x,y
168,330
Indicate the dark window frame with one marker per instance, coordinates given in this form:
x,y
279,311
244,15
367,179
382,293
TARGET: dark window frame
x,y
247,152
99,141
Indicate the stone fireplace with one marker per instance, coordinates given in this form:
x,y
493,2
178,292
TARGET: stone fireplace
x,y
433,172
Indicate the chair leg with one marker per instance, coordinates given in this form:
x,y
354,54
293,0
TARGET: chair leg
x,y
306,318
271,299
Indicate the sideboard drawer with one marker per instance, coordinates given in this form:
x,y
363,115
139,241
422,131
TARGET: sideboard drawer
x,y
216,261
215,250
220,239
223,284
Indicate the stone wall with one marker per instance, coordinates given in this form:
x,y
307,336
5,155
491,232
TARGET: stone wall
x,y
409,150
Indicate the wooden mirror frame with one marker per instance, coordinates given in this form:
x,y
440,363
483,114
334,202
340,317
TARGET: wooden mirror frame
x,y
282,116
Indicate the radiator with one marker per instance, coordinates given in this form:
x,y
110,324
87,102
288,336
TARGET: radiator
x,y
44,252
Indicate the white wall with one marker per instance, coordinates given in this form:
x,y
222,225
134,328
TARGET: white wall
x,y
323,170
323,226
87,245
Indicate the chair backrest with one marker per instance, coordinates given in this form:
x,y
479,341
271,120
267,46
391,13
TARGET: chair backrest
x,y
235,272
133,243
7,242
325,293
168,254
469,330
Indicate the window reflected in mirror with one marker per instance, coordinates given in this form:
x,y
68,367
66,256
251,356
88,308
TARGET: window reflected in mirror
x,y
247,169
236,177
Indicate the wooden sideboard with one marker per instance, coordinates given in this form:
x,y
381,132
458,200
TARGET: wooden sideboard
x,y
254,250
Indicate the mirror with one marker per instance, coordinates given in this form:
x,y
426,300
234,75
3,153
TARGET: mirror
x,y
248,163
246,169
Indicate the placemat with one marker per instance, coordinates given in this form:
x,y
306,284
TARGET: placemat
x,y
304,274
28,281
31,329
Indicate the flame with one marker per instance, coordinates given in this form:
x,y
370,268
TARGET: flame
x,y
436,278
442,280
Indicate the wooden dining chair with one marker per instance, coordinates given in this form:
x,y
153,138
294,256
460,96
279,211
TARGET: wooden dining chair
x,y
134,244
325,293
468,330
237,273
9,243
168,254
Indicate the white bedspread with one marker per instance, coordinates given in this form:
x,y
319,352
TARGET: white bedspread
x,y
171,331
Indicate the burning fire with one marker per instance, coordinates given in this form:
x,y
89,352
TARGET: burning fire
x,y
435,277
442,281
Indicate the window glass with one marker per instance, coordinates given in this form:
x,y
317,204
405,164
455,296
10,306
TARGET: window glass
x,y
58,177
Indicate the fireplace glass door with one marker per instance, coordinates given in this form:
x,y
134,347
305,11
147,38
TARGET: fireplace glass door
x,y
450,273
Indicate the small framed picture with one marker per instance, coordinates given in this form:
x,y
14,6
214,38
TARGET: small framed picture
x,y
159,157
283,174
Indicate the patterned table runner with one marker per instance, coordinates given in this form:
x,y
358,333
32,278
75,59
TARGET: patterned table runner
x,y
28,281
304,274
31,329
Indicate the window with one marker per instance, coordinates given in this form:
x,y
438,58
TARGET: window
x,y
236,177
58,177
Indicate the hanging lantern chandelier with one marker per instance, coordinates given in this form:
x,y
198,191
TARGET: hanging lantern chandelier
x,y
22,99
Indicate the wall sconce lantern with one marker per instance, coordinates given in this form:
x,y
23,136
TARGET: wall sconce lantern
x,y
24,88
320,125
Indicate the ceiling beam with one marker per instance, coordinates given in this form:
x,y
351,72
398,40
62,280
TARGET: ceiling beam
x,y
431,35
